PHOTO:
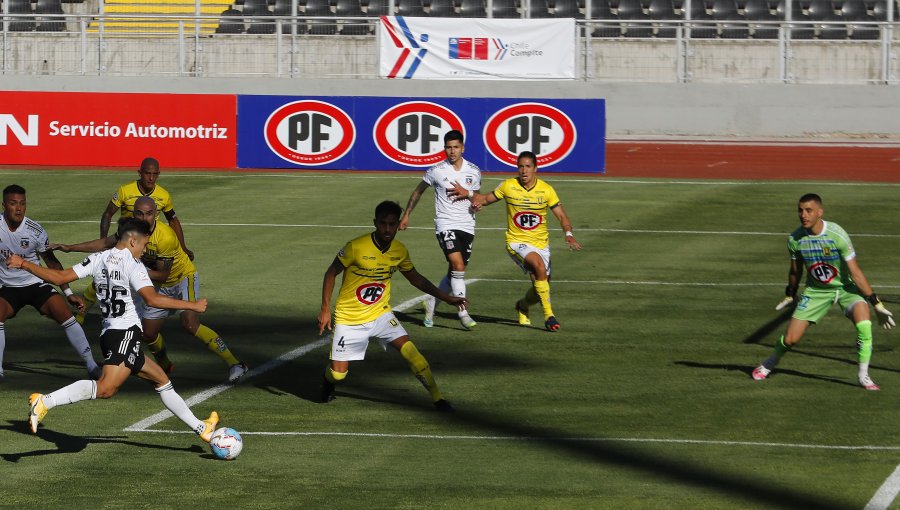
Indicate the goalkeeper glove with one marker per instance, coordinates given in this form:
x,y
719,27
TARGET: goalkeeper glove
x,y
790,291
885,317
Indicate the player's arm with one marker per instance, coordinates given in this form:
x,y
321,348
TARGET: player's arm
x,y
563,218
52,262
54,276
160,269
157,300
104,243
457,192
420,282
790,292
885,317
411,203
328,281
106,218
175,223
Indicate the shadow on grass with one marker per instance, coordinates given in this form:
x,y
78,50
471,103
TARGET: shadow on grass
x,y
66,443
450,320
767,328
749,370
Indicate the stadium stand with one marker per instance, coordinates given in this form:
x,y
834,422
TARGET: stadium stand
x,y
286,8
320,8
255,14
472,9
411,8
759,10
732,23
699,14
54,23
351,9
505,9
664,10
569,9
634,10
855,10
22,24
124,16
538,9
599,10
443,9
823,10
231,21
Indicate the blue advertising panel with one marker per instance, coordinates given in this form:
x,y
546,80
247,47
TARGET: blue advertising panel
x,y
393,133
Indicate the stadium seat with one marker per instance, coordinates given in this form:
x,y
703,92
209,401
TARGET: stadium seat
x,y
21,24
796,32
504,9
442,9
855,10
472,9
600,10
412,8
734,26
879,10
351,9
47,24
664,10
231,22
633,10
569,9
538,9
285,8
320,8
255,14
699,14
758,10
379,8
823,10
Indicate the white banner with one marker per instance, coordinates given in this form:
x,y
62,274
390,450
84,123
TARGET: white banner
x,y
462,48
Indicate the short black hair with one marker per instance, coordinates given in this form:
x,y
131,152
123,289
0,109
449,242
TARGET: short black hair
x,y
811,197
13,189
527,154
453,134
129,226
149,162
388,207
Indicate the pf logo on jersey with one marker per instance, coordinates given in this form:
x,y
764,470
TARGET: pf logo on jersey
x,y
413,133
309,132
370,293
823,272
527,220
535,127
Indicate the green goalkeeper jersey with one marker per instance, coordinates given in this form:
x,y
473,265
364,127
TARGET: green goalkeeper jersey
x,y
824,256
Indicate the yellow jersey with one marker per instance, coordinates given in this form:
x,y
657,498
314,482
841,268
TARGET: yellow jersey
x,y
366,286
164,245
526,211
126,196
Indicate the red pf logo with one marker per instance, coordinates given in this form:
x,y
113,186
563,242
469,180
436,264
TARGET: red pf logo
x,y
412,133
823,272
309,132
370,293
527,220
535,127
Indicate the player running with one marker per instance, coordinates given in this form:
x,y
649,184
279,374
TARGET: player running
x,y
527,239
833,276
454,221
118,275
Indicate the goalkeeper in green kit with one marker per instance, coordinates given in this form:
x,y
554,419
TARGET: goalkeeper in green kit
x,y
823,249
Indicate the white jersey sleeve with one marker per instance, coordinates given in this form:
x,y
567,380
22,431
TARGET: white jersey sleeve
x,y
452,214
27,241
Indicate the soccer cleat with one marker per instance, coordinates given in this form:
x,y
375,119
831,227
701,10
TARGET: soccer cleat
x,y
428,304
552,324
237,371
327,391
96,373
36,411
522,312
209,426
467,322
867,383
760,373
443,406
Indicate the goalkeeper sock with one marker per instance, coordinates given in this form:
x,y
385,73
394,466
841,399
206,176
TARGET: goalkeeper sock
x,y
158,349
780,349
542,289
864,345
216,344
419,366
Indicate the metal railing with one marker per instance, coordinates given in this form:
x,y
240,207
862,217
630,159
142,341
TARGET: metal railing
x,y
676,51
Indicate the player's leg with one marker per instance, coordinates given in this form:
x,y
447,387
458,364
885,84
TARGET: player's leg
x,y
857,310
89,297
55,306
813,305
152,372
153,338
457,267
348,343
539,267
388,330
6,312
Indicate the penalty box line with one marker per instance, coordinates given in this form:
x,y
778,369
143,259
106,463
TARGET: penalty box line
x,y
145,424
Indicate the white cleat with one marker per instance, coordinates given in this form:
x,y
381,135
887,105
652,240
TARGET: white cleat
x,y
760,373
467,322
237,371
867,383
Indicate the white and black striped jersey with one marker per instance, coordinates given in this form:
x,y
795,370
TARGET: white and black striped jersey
x,y
117,277
450,215
26,241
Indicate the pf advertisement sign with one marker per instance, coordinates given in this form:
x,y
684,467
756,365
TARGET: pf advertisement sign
x,y
391,133
110,129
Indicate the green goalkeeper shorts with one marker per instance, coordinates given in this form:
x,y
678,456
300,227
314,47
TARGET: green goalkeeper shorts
x,y
814,303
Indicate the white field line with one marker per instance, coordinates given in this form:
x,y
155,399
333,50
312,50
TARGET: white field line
x,y
287,357
886,493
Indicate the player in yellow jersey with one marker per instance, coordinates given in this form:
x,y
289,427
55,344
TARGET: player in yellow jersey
x,y
123,201
527,239
175,276
363,308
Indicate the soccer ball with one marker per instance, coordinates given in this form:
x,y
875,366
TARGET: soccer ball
x,y
226,443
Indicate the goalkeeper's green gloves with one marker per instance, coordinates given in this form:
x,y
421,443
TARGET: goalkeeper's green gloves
x,y
885,317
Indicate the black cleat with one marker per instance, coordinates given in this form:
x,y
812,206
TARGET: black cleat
x,y
552,324
443,406
327,391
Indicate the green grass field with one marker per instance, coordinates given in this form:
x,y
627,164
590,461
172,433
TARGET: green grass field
x,y
642,400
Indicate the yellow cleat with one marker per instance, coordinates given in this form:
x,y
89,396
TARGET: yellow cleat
x,y
36,411
522,312
209,426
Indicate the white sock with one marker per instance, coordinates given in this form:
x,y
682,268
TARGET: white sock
x,y
458,287
2,345
179,408
76,337
84,389
863,370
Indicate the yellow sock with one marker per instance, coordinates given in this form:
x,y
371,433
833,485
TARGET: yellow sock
x,y
334,377
216,344
419,366
158,349
542,289
89,297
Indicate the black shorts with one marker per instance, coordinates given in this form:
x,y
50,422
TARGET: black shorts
x,y
456,241
35,295
123,346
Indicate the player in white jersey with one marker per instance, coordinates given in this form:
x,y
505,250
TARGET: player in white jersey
x,y
454,221
22,236
118,275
